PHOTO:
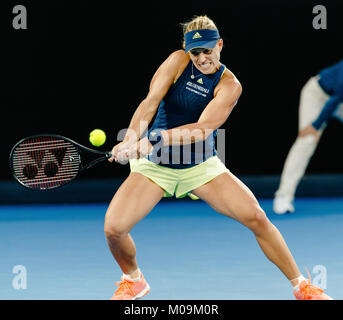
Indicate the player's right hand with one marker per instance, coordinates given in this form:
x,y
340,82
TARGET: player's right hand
x,y
119,151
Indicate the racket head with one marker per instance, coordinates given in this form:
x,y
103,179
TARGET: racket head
x,y
45,161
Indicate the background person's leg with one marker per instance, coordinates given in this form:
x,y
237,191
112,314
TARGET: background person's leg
x,y
312,100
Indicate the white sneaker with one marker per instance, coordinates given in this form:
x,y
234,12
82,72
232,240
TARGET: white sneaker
x,y
283,204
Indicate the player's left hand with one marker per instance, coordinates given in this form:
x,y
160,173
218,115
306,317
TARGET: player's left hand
x,y
139,149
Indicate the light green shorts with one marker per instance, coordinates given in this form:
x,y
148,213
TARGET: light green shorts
x,y
179,181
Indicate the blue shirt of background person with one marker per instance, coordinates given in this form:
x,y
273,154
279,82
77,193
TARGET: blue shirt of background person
x,y
331,81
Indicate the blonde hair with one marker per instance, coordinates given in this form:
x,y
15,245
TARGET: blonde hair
x,y
197,23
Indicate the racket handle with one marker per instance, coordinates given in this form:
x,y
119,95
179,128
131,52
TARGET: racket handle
x,y
108,154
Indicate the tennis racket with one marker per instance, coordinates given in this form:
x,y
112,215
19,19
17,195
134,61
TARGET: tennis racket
x,y
49,161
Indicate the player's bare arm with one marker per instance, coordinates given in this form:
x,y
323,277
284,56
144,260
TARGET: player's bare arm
x,y
214,115
163,78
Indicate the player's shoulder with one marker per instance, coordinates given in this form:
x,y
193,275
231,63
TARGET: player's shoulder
x,y
178,57
230,81
176,63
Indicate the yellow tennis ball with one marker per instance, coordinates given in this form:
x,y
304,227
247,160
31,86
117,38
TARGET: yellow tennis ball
x,y
97,137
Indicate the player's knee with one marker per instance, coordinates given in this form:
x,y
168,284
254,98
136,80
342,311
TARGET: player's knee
x,y
114,232
257,220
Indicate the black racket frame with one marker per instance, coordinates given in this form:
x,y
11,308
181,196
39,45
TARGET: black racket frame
x,y
80,148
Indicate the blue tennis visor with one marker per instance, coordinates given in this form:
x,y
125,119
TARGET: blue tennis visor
x,y
203,38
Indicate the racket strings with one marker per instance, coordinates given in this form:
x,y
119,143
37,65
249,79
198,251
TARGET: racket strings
x,y
45,162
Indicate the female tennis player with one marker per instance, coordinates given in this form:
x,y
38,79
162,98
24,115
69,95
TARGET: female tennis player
x,y
193,94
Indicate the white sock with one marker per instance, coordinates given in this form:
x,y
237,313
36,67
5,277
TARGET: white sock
x,y
300,279
128,277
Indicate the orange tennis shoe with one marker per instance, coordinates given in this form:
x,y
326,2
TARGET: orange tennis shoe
x,y
307,291
131,290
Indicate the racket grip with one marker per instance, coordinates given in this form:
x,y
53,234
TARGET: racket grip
x,y
108,154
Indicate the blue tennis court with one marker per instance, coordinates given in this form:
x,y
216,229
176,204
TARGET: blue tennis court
x,y
185,249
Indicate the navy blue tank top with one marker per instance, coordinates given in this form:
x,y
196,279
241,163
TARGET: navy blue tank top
x,y
183,104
